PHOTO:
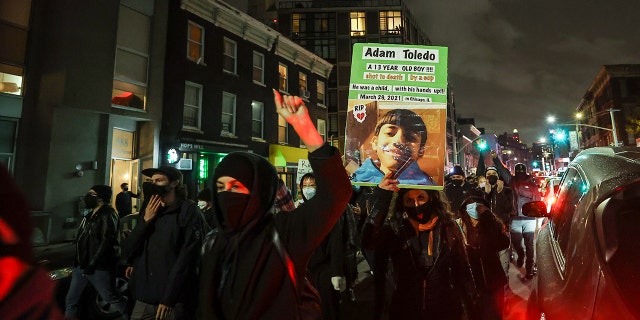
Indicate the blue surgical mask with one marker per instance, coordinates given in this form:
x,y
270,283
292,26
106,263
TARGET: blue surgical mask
x,y
471,210
309,192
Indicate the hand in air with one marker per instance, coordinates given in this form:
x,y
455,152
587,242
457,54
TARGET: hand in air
x,y
290,108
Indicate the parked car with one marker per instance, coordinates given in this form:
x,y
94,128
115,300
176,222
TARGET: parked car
x,y
58,259
587,255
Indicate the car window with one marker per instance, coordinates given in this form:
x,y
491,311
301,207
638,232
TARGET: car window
x,y
572,188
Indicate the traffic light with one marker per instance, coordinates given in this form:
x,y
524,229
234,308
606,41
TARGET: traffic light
x,y
535,164
482,144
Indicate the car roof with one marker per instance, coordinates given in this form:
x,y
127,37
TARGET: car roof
x,y
607,168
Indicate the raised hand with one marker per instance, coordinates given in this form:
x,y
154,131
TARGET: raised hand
x,y
293,109
152,208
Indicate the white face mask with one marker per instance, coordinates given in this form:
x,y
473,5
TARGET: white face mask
x,y
482,184
309,192
202,205
471,210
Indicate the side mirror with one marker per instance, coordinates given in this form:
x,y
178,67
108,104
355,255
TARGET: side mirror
x,y
536,209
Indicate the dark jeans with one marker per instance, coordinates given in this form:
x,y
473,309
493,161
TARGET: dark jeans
x,y
146,311
105,285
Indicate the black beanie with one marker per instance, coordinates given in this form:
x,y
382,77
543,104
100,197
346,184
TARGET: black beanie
x,y
104,192
238,167
205,195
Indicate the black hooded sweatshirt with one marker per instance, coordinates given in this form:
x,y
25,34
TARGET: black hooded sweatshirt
x,y
243,276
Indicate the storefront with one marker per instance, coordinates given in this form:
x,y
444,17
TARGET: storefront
x,y
286,160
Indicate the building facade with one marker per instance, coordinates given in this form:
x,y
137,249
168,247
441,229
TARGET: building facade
x,y
218,91
616,88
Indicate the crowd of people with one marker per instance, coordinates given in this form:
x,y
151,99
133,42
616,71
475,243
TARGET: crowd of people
x,y
248,250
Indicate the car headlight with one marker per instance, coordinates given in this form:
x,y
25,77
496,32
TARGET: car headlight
x,y
60,273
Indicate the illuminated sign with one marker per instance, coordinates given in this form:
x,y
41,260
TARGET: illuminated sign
x,y
172,156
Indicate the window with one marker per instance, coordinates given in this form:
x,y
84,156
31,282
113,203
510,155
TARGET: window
x,y
282,83
322,129
229,51
324,24
8,136
192,112
195,42
391,23
572,188
258,67
299,25
228,119
325,48
283,137
302,83
358,27
257,119
333,124
132,59
11,79
320,88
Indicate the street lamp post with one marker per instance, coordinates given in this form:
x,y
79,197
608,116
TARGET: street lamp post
x,y
614,132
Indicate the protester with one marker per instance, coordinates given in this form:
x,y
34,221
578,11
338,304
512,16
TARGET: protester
x,y
399,141
205,204
433,278
485,236
96,254
26,290
254,265
123,200
457,189
164,247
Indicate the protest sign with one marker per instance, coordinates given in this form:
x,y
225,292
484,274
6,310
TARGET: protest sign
x,y
397,115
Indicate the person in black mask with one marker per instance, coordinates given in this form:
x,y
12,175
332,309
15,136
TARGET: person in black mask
x,y
457,188
432,273
164,248
254,264
96,256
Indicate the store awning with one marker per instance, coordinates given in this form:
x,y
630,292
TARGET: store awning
x,y
280,155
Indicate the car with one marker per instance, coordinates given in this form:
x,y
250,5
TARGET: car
x,y
587,256
58,260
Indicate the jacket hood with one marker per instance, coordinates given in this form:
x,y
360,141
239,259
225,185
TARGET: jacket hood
x,y
264,185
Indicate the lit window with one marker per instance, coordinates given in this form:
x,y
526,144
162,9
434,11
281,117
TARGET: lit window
x,y
195,42
258,67
358,27
322,129
320,85
132,59
283,137
230,54
192,112
257,119
10,79
390,23
302,83
228,118
282,83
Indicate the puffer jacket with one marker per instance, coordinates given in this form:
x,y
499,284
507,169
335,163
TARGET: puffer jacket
x,y
97,240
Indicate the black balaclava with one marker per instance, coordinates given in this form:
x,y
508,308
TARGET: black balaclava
x,y
236,210
521,171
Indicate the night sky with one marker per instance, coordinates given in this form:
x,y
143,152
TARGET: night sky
x,y
513,63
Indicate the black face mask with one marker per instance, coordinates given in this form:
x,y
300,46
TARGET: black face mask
x,y
423,212
492,180
90,201
125,188
232,205
158,189
456,182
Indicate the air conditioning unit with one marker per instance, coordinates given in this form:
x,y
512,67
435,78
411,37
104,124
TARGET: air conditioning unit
x,y
184,164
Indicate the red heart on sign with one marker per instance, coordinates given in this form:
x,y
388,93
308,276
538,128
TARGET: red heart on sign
x,y
360,116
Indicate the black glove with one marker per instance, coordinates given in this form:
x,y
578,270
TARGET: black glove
x,y
88,270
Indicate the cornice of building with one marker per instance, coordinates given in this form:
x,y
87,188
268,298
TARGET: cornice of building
x,y
226,17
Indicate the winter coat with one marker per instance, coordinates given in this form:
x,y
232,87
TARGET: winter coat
x,y
457,194
437,293
501,200
165,252
97,240
244,276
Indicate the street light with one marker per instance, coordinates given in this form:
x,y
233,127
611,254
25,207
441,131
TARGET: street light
x,y
614,133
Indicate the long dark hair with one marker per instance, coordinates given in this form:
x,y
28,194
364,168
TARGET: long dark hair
x,y
438,197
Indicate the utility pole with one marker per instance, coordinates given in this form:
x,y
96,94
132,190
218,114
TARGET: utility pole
x,y
613,126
